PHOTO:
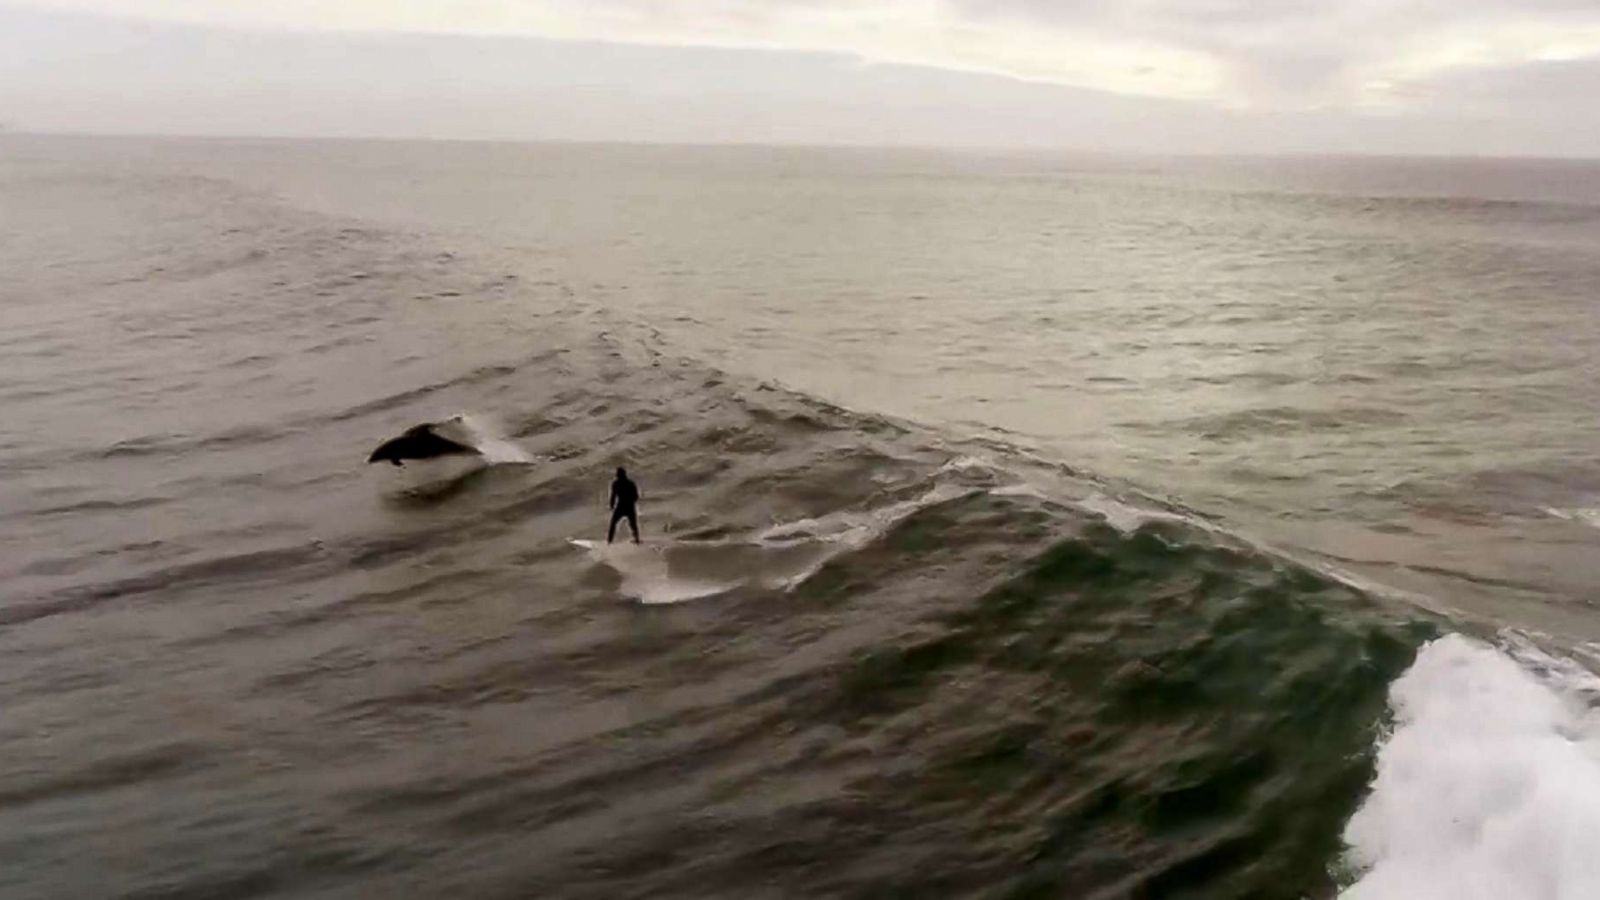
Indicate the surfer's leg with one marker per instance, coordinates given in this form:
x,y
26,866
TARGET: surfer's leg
x,y
611,533
633,524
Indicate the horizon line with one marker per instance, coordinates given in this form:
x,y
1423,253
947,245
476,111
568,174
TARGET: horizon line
x,y
13,131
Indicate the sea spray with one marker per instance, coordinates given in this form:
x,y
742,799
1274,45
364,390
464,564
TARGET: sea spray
x,y
1488,786
491,441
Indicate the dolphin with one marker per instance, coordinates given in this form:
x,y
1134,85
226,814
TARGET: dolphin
x,y
420,442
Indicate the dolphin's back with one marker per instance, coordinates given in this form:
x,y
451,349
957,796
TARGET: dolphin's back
x,y
419,442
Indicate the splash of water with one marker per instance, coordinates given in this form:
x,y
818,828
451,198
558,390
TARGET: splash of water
x,y
1489,786
489,438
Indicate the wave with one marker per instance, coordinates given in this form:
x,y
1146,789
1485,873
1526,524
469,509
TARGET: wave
x,y
780,557
1488,785
1586,515
1280,420
1210,707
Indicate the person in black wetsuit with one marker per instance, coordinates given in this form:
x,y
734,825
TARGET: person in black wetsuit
x,y
624,505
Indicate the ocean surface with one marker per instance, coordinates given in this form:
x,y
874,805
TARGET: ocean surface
x,y
1016,525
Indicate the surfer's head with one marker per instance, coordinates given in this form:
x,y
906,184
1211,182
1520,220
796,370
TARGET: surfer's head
x,y
622,474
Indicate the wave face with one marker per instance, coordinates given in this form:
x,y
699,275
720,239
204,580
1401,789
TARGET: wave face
x,y
1140,714
857,655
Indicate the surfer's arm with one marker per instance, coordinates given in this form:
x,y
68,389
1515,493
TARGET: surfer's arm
x,y
612,503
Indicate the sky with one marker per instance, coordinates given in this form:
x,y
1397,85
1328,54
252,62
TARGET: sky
x,y
1466,77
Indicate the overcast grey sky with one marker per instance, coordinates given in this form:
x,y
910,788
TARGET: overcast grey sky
x,y
1382,76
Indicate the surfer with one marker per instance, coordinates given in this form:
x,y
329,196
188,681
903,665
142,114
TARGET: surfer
x,y
624,504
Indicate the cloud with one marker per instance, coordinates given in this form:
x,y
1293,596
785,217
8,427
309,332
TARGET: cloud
x,y
1395,76
1341,53
1248,54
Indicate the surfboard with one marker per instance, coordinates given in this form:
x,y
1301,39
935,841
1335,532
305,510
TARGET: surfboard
x,y
598,546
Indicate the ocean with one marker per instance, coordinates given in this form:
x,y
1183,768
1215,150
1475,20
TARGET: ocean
x,y
1016,525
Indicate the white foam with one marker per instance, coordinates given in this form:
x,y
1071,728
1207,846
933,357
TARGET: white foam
x,y
1021,489
966,463
856,528
646,575
1587,515
850,529
1489,785
1124,517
